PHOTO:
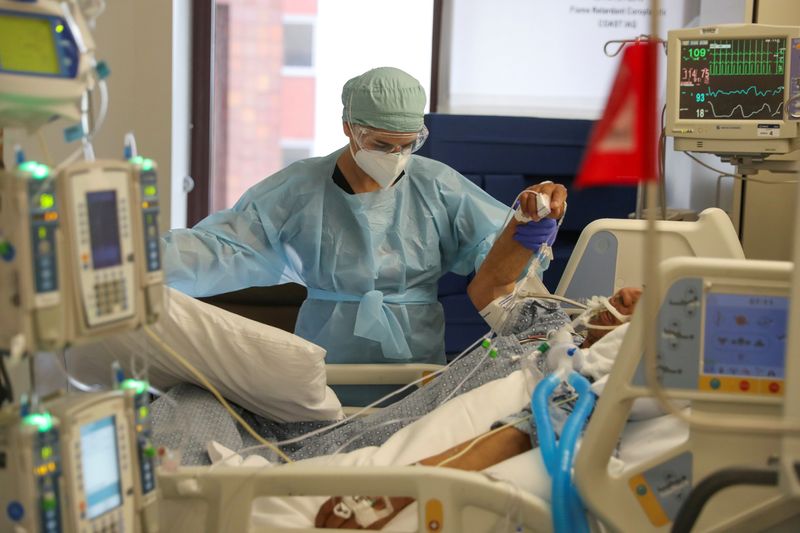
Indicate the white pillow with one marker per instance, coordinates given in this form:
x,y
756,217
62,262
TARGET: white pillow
x,y
264,369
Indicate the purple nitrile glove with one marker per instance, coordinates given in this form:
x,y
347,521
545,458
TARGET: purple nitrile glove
x,y
533,234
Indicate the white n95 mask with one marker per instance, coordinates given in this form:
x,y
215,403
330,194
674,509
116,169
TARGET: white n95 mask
x,y
382,167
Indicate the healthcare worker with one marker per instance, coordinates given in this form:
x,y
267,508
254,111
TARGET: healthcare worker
x,y
368,229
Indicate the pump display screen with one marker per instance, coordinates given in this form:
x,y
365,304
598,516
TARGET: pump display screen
x,y
745,335
27,45
100,465
732,79
104,228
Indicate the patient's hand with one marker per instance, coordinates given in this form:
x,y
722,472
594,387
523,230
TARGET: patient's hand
x,y
329,519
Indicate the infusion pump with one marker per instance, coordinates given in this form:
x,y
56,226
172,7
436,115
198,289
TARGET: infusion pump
x,y
85,463
79,253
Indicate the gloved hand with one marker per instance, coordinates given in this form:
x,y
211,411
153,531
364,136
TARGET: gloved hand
x,y
533,234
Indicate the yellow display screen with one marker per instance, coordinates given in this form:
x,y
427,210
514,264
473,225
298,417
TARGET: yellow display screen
x,y
27,45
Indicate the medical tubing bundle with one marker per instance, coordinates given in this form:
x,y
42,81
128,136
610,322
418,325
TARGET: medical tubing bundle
x,y
565,496
547,438
568,512
266,444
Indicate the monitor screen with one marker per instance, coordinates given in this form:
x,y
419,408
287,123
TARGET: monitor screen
x,y
745,335
732,79
100,466
27,45
104,228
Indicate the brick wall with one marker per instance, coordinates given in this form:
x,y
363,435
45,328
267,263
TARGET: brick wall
x,y
262,107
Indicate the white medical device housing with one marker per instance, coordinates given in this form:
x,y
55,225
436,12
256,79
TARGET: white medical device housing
x,y
45,62
79,253
30,480
31,259
728,88
98,462
722,329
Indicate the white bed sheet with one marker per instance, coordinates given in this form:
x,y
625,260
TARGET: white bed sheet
x,y
460,419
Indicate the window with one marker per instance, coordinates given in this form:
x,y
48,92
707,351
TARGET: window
x,y
292,152
279,68
298,44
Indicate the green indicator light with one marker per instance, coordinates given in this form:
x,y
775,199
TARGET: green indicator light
x,y
41,172
47,451
46,201
147,164
60,28
149,451
28,166
134,384
137,160
48,503
150,190
42,233
143,412
42,421
37,170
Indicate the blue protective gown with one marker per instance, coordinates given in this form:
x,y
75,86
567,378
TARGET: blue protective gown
x,y
370,261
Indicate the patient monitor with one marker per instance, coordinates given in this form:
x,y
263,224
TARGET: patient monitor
x,y
734,89
722,330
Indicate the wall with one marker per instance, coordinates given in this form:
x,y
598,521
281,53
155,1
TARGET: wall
x,y
768,217
146,95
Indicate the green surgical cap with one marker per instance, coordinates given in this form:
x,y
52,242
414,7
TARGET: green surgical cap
x,y
385,98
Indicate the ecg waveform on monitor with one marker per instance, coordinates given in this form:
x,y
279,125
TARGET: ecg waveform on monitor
x,y
732,79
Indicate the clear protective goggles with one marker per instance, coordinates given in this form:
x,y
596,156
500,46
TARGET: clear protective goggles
x,y
389,142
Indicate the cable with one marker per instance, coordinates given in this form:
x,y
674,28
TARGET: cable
x,y
706,489
382,424
361,411
480,438
61,361
546,296
202,379
6,389
45,150
471,373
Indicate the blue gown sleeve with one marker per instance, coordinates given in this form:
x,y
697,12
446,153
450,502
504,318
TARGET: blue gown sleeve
x,y
476,221
224,252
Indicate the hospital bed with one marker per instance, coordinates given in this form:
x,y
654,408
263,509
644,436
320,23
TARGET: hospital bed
x,y
607,257
645,495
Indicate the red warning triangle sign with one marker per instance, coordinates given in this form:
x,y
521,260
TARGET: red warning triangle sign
x,y
622,147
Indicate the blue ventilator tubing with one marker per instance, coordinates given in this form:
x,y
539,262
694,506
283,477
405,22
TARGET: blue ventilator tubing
x,y
544,428
568,511
565,498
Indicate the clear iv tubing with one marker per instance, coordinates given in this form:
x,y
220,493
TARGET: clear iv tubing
x,y
330,427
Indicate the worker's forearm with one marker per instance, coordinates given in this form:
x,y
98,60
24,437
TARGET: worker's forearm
x,y
493,449
501,268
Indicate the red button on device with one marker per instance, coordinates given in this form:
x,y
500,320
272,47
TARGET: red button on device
x,y
744,385
774,387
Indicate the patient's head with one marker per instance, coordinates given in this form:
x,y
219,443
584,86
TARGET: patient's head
x,y
624,302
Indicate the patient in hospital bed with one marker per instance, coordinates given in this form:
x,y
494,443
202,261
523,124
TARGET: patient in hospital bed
x,y
509,437
528,324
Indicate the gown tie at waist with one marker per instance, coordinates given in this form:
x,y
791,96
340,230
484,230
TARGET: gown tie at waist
x,y
375,321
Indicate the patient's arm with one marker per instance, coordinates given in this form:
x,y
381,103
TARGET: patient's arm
x,y
491,450
508,259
